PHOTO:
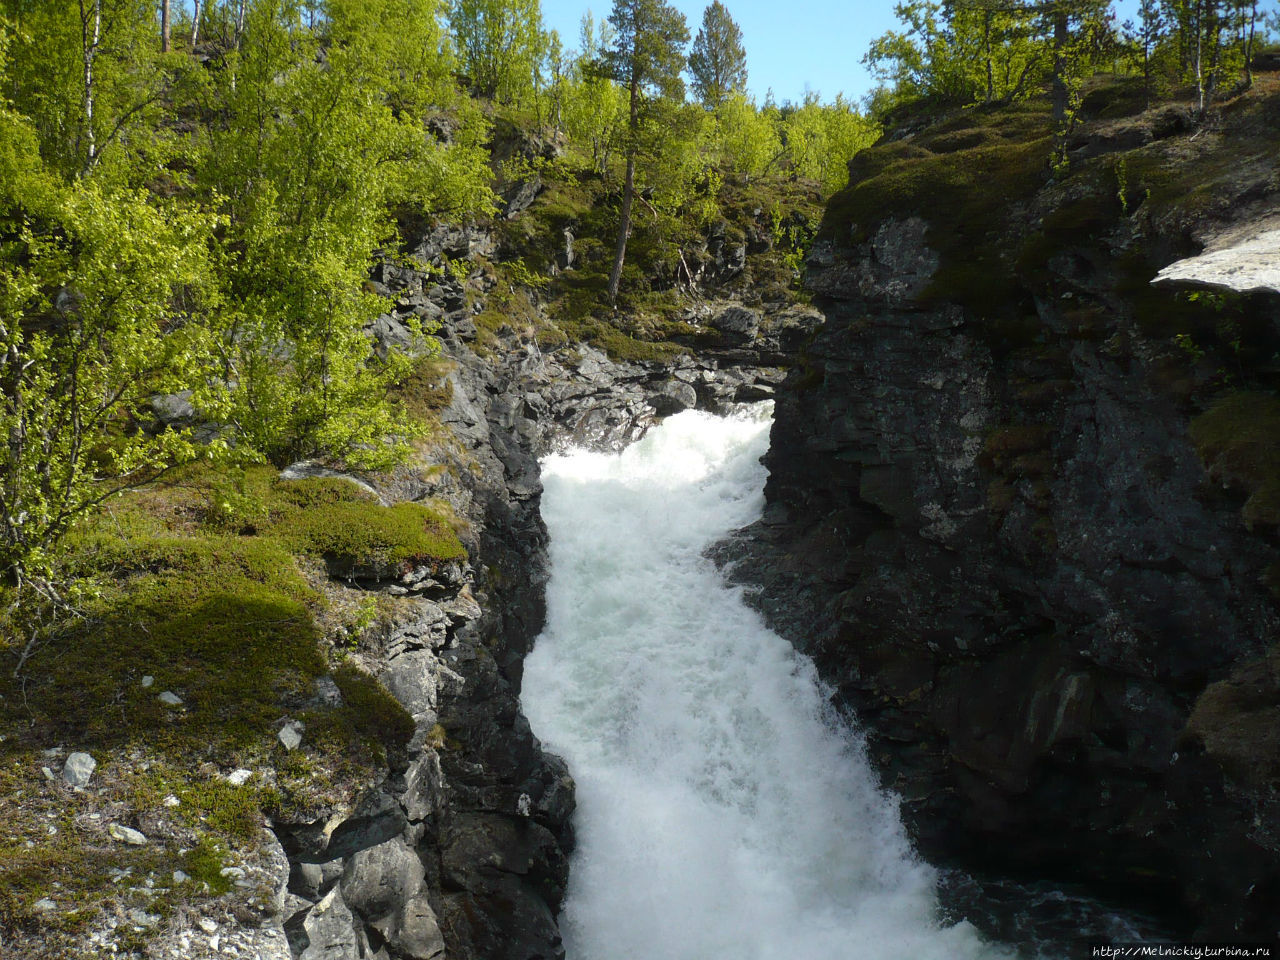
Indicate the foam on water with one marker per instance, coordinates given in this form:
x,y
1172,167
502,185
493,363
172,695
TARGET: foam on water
x,y
723,813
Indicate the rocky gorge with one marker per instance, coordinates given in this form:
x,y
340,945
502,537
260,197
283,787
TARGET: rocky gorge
x,y
993,520
1020,513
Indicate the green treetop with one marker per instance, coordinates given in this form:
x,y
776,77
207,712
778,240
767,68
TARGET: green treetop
x,y
646,57
500,43
718,62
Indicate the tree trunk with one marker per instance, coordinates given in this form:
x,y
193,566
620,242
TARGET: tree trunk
x,y
1248,44
164,26
195,24
986,44
1199,61
1061,36
628,192
90,36
624,228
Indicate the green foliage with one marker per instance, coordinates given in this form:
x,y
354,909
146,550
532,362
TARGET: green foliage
x,y
96,105
718,61
647,53
312,157
500,44
747,140
822,139
95,295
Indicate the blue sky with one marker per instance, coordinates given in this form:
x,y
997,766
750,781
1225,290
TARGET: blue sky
x,y
792,45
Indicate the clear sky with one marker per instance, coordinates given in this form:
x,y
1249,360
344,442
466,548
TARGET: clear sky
x,y
792,45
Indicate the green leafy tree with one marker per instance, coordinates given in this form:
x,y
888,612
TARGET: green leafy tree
x,y
310,159
500,43
92,80
646,57
747,139
595,108
718,61
821,139
98,295
1144,39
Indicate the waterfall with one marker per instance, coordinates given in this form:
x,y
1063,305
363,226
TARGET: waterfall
x,y
725,812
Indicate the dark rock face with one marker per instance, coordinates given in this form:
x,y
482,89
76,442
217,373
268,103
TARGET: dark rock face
x,y
1006,558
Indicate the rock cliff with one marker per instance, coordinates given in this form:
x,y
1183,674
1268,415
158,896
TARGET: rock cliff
x,y
995,518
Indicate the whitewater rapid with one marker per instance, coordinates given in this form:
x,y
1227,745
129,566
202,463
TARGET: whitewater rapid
x,y
724,812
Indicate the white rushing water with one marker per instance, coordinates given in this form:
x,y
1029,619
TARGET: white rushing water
x,y
723,812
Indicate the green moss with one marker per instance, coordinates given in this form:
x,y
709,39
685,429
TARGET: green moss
x,y
357,538
1238,438
204,863
375,713
960,176
199,584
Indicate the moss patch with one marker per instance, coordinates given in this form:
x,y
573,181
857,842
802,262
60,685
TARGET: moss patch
x,y
960,176
1238,439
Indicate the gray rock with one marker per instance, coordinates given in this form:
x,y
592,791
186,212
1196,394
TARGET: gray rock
x,y
416,931
126,835
741,323
45,905
173,408
78,768
376,882
519,197
290,735
330,930
1244,261
170,699
327,692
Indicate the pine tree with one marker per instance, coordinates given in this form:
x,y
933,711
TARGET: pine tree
x,y
718,62
646,57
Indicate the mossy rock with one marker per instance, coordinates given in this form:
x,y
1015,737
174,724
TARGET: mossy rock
x,y
373,711
210,585
368,541
1238,438
1238,722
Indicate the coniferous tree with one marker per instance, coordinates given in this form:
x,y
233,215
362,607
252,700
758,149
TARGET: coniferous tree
x,y
646,57
718,62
